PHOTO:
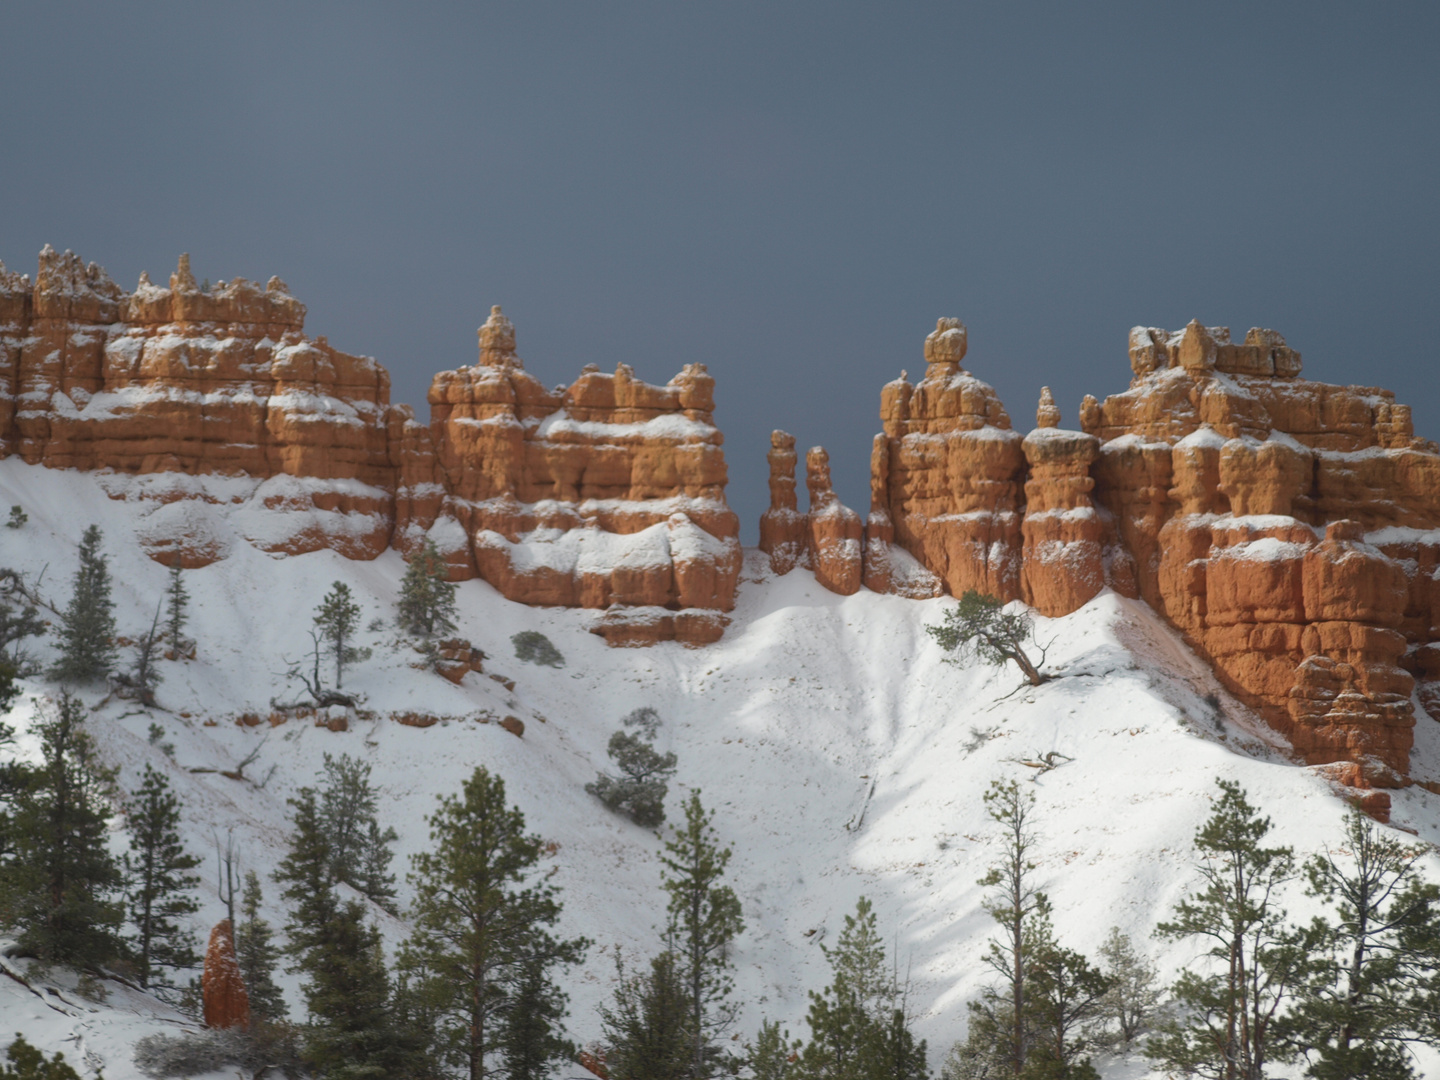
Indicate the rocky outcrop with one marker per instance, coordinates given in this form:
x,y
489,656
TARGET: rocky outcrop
x,y
1290,529
211,409
828,538
608,494
226,1003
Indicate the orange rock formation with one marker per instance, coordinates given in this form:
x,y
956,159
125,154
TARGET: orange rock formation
x,y
227,1005
1290,529
606,495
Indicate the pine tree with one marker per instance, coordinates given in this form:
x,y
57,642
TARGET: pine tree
x,y
858,1026
772,1054
61,888
480,918
28,1063
143,674
337,618
359,849
639,792
648,1026
19,619
308,874
160,882
704,920
1133,993
87,631
350,1035
1063,1008
1369,987
978,626
1226,1028
1015,904
530,1040
256,955
427,599
177,604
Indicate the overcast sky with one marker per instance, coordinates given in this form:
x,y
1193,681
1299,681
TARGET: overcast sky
x,y
788,193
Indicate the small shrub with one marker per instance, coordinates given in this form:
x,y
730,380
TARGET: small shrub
x,y
195,1053
18,517
639,791
28,1063
534,647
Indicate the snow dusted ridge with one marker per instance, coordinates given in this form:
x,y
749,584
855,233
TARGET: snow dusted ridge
x,y
842,756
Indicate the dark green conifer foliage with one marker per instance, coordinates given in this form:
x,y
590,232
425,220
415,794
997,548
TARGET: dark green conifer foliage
x,y
427,599
256,955
639,791
1064,1004
858,1026
350,1034
28,1063
338,618
769,1056
62,888
1226,1029
308,876
531,1041
648,1028
978,626
533,647
359,849
481,917
704,920
1370,984
158,868
19,619
87,630
177,609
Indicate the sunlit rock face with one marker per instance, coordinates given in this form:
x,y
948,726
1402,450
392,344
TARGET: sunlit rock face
x,y
1291,529
212,410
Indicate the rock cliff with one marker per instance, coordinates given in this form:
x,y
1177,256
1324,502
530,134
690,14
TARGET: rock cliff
x,y
1290,529
213,410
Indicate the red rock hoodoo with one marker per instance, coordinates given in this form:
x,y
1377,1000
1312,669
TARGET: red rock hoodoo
x,y
211,409
1290,529
227,1005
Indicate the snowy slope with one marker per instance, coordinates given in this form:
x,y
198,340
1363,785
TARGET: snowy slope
x,y
843,757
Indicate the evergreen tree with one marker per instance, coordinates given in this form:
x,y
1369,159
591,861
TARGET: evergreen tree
x,y
143,674
772,1054
256,955
1133,993
19,619
28,1063
160,882
60,890
1369,988
1063,1007
639,792
858,1026
480,919
308,876
1226,1027
350,1034
177,604
704,920
359,849
530,1041
978,626
1016,904
648,1027
427,599
337,618
87,631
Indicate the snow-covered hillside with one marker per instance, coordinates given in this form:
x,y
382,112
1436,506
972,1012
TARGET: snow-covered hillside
x,y
842,755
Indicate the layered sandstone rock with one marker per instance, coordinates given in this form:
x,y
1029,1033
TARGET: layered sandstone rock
x,y
1283,525
211,409
608,494
827,538
226,1002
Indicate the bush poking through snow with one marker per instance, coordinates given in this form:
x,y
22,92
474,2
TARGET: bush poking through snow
x,y
264,1047
427,599
18,517
980,627
28,1063
639,791
533,647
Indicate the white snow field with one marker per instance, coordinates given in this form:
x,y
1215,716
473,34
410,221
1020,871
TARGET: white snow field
x,y
842,755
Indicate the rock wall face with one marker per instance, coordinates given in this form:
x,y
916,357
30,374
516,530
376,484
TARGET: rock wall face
x,y
608,494
211,409
1290,529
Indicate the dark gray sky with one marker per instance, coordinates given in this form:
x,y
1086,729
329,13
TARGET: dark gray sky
x,y
789,193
